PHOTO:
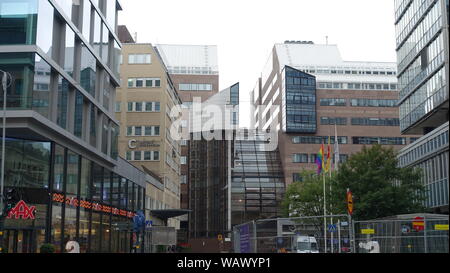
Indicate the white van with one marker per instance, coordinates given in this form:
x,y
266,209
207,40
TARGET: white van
x,y
305,244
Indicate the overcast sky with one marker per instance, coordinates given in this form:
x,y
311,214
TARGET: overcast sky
x,y
246,30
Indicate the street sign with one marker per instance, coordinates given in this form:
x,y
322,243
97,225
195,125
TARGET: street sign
x,y
344,224
440,227
332,228
349,202
368,231
418,223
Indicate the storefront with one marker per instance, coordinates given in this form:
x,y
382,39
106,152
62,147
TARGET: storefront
x,y
62,195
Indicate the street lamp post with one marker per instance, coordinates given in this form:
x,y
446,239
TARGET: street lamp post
x,y
4,88
4,85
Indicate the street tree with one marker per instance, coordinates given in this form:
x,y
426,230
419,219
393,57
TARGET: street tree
x,y
380,188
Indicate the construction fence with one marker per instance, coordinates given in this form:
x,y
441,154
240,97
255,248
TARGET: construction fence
x,y
413,233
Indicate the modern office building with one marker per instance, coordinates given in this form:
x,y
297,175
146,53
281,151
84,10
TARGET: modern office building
x,y
257,179
211,160
317,93
143,105
61,134
195,74
422,44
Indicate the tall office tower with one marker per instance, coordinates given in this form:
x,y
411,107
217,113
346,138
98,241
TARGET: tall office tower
x,y
211,162
422,39
195,74
318,93
143,106
61,153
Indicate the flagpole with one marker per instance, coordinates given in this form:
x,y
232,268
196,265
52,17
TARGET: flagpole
x,y
324,213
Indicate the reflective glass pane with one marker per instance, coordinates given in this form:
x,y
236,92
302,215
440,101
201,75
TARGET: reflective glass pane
x,y
88,70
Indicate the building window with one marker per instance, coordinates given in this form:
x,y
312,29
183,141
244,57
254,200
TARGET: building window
x,y
300,158
139,59
297,177
333,102
333,121
376,121
183,160
144,82
379,140
117,109
195,87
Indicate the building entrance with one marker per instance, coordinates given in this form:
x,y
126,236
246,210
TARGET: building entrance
x,y
20,241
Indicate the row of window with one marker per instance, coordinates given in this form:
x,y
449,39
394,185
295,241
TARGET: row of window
x,y
143,131
357,86
195,87
429,59
343,140
348,71
142,155
424,99
379,140
376,121
410,18
420,36
358,102
317,139
144,82
426,148
311,158
144,106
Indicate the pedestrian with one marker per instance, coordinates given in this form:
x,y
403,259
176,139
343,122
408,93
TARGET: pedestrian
x,y
72,246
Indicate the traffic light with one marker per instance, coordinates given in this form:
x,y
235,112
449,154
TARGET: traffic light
x,y
9,201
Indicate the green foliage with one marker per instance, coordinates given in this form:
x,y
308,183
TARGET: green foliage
x,y
380,188
47,248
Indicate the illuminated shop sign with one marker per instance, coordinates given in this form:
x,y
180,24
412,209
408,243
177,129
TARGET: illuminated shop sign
x,y
72,201
22,211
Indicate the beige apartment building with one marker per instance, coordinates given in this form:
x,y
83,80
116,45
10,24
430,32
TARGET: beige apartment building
x,y
143,104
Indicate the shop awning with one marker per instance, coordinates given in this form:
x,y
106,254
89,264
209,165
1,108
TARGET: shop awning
x,y
169,213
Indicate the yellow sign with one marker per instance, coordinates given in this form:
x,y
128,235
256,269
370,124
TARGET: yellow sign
x,y
441,227
1,233
368,231
219,237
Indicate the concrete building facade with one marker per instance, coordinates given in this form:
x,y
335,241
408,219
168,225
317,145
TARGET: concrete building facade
x,y
143,105
320,95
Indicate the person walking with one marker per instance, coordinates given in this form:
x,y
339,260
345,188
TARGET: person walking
x,y
72,246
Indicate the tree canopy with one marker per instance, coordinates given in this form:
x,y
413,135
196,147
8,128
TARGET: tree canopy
x,y
380,188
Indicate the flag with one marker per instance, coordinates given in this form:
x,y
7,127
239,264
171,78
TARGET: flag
x,y
319,160
328,159
336,149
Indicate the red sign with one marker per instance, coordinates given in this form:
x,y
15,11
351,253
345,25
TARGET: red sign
x,y
418,223
91,206
22,211
349,202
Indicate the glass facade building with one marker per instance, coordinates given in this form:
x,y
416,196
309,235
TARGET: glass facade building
x,y
299,101
61,134
257,181
73,196
422,40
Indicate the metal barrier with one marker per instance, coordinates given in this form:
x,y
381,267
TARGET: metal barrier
x,y
403,234
411,233
294,235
